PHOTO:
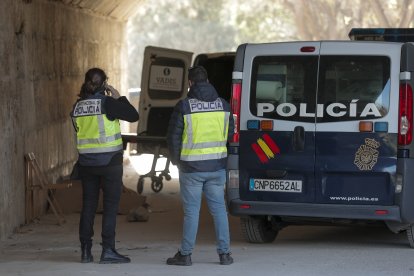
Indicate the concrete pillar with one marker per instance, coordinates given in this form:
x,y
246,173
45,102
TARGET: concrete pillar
x,y
46,48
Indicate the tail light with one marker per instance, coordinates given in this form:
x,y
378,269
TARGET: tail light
x,y
235,109
307,49
405,124
233,179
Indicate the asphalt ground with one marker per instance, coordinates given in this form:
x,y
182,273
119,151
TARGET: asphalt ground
x,y
45,248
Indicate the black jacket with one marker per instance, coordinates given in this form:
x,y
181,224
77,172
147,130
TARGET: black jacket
x,y
202,91
120,109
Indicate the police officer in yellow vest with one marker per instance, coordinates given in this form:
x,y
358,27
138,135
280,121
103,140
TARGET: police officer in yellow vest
x,y
96,116
199,129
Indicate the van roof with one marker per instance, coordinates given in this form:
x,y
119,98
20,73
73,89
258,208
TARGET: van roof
x,y
382,34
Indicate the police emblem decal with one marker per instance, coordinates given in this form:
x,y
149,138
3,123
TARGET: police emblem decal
x,y
367,155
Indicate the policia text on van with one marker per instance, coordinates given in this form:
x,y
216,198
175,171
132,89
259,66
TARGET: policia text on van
x,y
323,132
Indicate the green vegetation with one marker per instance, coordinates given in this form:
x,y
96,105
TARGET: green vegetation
x,y
221,25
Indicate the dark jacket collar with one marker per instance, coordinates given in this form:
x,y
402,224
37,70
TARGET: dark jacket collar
x,y
203,91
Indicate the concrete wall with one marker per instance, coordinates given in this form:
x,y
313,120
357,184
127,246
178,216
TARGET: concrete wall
x,y
45,49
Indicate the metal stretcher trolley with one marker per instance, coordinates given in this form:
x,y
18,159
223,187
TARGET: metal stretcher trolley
x,y
157,146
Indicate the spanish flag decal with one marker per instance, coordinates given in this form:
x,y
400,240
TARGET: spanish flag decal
x,y
265,148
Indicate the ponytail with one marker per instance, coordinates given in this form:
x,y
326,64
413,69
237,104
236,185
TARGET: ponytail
x,y
94,80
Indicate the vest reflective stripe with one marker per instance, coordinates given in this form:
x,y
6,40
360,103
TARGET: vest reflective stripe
x,y
204,157
101,124
204,145
100,139
226,124
203,138
100,150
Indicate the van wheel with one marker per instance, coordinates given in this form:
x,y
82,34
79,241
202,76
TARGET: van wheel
x,y
410,235
258,229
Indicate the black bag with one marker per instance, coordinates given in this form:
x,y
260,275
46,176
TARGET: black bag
x,y
74,175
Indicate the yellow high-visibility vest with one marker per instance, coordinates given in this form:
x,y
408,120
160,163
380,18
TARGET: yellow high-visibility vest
x,y
95,132
205,131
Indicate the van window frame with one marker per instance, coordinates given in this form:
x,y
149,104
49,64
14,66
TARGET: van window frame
x,y
353,60
310,69
314,90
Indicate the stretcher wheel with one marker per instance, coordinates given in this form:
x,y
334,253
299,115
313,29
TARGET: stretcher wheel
x,y
156,185
140,185
167,177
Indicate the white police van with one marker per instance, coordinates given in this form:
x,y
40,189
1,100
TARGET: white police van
x,y
324,133
164,82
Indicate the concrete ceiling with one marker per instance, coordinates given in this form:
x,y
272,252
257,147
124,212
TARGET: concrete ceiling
x,y
118,9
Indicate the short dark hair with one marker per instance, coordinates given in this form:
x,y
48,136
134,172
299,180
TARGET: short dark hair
x,y
197,74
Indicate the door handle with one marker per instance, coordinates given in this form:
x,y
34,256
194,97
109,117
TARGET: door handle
x,y
299,138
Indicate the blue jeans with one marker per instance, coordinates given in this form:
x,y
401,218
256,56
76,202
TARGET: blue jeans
x,y
192,185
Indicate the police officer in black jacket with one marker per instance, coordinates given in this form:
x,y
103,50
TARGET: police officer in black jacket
x,y
96,116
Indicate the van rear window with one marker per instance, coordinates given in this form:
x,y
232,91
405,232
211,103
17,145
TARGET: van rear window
x,y
348,88
281,84
354,87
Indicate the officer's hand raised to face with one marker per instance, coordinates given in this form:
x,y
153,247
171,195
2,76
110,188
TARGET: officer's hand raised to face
x,y
113,92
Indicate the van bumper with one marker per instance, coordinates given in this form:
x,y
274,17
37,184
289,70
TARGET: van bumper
x,y
239,207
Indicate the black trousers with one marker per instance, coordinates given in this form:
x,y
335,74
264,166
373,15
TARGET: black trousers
x,y
109,179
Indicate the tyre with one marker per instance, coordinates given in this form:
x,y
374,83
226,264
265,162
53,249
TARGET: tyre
x,y
410,235
157,185
140,185
258,229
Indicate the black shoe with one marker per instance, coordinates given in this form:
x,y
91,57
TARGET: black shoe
x,y
110,256
225,259
86,256
179,259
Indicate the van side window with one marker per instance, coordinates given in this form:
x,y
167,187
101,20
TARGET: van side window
x,y
280,84
357,86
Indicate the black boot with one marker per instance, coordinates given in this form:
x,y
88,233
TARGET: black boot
x,y
226,259
179,259
86,253
110,256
